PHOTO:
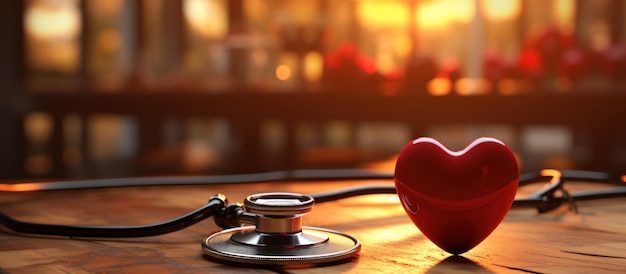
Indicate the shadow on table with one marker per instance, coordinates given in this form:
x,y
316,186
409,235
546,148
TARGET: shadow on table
x,y
458,263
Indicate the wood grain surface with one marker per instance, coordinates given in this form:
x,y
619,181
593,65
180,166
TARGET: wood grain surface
x,y
590,241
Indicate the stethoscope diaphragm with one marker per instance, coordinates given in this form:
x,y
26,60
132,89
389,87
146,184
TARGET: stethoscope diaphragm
x,y
278,237
312,246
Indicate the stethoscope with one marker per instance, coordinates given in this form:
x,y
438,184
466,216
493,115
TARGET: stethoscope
x,y
267,228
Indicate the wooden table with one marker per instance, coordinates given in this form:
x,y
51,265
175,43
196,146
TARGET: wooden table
x,y
592,241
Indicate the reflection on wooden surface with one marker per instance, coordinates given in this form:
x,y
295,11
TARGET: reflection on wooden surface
x,y
591,241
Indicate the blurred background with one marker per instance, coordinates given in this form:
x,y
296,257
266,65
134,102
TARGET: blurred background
x,y
103,88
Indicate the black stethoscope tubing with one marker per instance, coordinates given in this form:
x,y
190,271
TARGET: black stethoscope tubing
x,y
551,196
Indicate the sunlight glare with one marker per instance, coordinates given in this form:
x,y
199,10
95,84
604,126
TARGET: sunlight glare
x,y
501,10
206,17
392,233
380,199
46,21
440,14
564,12
381,14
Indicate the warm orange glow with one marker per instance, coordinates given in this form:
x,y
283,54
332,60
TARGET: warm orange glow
x,y
288,67
283,72
198,156
501,10
109,40
385,61
57,20
20,187
304,12
555,174
469,86
402,46
391,233
440,14
623,178
256,9
38,126
564,12
386,165
105,6
439,86
206,17
390,199
259,57
600,36
509,86
381,14
107,133
313,66
52,29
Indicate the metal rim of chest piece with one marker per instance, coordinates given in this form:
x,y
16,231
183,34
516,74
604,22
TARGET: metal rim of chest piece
x,y
278,237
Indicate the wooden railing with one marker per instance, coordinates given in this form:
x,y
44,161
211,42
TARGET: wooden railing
x,y
599,114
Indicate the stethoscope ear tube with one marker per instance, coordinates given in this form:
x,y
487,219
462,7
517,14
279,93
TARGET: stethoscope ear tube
x,y
226,216
277,237
213,207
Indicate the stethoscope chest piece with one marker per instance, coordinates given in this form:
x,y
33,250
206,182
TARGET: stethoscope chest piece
x,y
337,247
278,238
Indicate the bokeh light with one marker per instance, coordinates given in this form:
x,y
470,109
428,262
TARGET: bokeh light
x,y
206,17
501,10
283,72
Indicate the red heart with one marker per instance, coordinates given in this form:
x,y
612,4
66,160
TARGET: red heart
x,y
456,199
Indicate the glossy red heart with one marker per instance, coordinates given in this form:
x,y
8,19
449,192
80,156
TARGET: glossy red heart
x,y
456,199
